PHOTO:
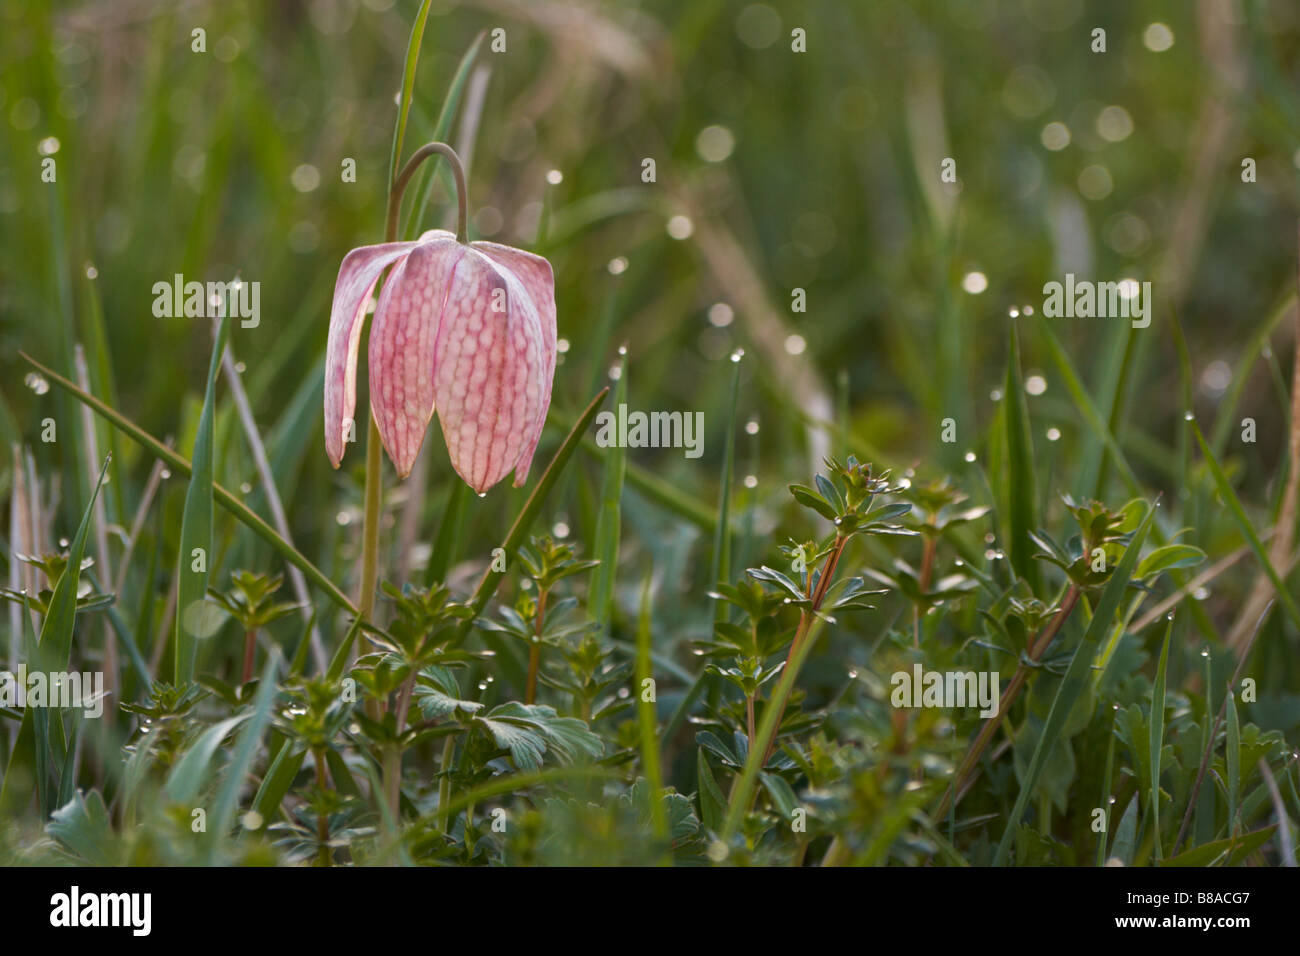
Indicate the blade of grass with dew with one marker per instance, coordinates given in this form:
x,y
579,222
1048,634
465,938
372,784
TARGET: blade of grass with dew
x,y
1232,763
447,543
1243,522
1083,402
408,88
1022,492
720,567
743,791
646,717
1076,679
1157,735
441,128
51,655
609,519
196,523
275,785
250,740
523,521
1107,801
181,465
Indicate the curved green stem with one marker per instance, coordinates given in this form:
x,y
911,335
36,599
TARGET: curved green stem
x,y
412,164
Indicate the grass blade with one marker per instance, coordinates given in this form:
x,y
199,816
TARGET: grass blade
x,y
196,523
28,760
609,519
646,717
720,569
1157,735
523,521
181,465
1022,490
1239,513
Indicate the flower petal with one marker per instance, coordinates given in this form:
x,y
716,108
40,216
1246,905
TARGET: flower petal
x,y
358,274
403,337
538,280
488,371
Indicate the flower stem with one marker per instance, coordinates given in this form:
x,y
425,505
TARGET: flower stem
x,y
412,164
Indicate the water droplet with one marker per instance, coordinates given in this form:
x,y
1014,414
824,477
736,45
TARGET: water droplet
x,y
1205,653
1169,616
1053,434
989,537
617,266
245,488
63,542
622,349
990,555
555,177
91,271
853,675
996,395
560,529
36,383
1014,312
482,685
970,456
482,494
1201,593
165,473
751,481
624,693
737,355
1035,385
1188,417
1028,310
838,522
240,367
343,518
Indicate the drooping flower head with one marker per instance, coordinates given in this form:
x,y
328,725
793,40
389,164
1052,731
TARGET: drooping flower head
x,y
466,329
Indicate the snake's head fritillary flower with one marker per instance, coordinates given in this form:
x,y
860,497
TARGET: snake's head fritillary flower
x,y
467,329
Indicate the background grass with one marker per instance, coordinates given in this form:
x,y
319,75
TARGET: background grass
x,y
228,162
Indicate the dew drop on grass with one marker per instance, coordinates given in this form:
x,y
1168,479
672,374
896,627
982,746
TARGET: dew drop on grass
x,y
970,456
36,383
996,395
245,488
1188,417
91,271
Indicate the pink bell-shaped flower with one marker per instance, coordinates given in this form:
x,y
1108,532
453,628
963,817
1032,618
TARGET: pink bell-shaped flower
x,y
467,329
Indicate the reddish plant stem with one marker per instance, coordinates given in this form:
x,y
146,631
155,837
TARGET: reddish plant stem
x,y
250,652
1034,652
805,622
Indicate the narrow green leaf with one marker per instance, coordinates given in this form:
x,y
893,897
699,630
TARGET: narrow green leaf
x,y
1232,758
524,520
441,129
196,524
1022,487
1239,514
1157,735
646,716
609,520
1106,797
29,760
279,778
720,569
713,805
1076,679
408,88
181,465
250,740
